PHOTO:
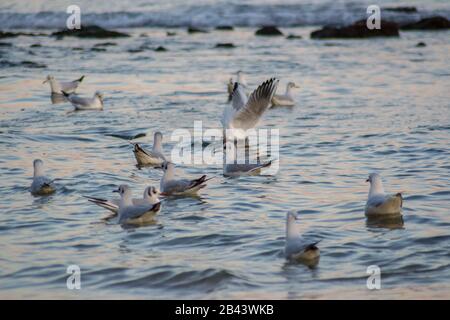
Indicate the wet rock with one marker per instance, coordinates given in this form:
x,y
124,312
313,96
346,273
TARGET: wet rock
x,y
5,44
96,49
402,9
293,36
433,23
357,30
90,32
171,33
268,31
225,28
135,50
16,34
196,30
227,45
421,44
105,44
25,64
160,49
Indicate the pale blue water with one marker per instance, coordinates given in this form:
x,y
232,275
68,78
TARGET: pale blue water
x,y
364,105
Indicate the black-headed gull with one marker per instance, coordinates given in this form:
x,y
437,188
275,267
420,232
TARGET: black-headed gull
x,y
296,247
129,213
380,203
244,113
94,103
41,184
57,87
286,99
171,186
154,157
150,196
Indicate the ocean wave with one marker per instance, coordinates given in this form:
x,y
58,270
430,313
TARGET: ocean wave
x,y
213,15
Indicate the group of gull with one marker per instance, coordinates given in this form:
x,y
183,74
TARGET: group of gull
x,y
243,113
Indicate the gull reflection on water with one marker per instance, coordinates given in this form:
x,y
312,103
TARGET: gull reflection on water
x,y
391,222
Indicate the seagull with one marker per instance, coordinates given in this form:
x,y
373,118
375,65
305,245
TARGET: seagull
x,y
244,169
230,86
235,169
240,79
296,247
285,99
94,103
41,184
57,87
379,203
155,156
171,186
129,213
150,197
244,113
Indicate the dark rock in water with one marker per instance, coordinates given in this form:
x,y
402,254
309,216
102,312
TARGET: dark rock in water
x,y
293,36
90,32
31,64
402,9
160,49
433,23
421,44
268,31
171,34
227,45
77,49
225,28
36,45
135,50
105,44
196,30
357,30
96,49
5,44
25,63
16,34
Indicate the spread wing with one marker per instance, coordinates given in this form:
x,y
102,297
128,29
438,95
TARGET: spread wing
x,y
247,116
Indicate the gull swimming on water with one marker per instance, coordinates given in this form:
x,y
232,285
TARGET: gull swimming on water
x,y
285,99
152,157
235,169
131,213
296,247
244,113
57,87
150,197
94,103
171,186
380,203
41,184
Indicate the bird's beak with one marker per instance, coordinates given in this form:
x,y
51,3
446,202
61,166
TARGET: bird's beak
x,y
115,190
296,86
45,81
163,194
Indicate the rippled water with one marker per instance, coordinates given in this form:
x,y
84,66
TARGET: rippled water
x,y
378,105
